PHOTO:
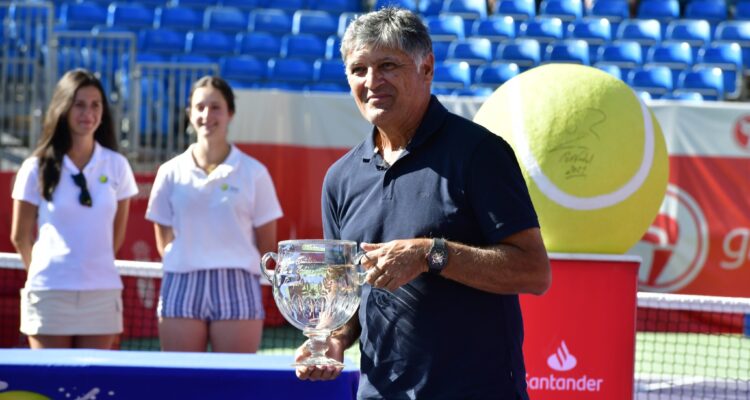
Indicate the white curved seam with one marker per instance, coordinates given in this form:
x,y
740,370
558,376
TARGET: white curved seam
x,y
549,189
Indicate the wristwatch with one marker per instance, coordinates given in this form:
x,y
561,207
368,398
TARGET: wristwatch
x,y
437,257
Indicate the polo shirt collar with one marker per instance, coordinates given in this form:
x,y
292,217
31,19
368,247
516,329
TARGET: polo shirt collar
x,y
230,163
431,121
95,157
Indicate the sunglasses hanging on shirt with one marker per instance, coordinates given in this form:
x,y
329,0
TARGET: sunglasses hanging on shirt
x,y
85,197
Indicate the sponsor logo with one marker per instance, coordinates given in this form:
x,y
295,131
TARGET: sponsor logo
x,y
675,247
563,360
742,132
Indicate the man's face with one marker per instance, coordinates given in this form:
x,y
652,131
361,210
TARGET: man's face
x,y
388,87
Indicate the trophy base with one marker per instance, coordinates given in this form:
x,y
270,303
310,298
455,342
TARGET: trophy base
x,y
319,362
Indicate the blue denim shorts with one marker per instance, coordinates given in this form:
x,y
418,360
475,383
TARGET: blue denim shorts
x,y
211,295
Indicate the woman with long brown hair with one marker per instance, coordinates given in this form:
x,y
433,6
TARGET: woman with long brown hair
x,y
70,210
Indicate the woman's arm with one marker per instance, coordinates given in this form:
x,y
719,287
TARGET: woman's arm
x,y
265,237
121,223
22,229
164,236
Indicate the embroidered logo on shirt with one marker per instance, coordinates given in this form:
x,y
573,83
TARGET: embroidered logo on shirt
x,y
227,187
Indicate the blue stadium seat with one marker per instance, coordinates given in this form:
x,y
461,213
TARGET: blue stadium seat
x,y
224,18
270,20
131,16
247,5
625,54
567,10
330,71
160,41
82,16
696,32
289,5
445,27
407,4
611,69
440,49
520,10
335,6
213,43
495,74
742,10
664,11
594,30
614,10
737,32
428,8
728,57
452,75
496,28
525,52
544,29
710,10
656,80
304,46
333,47
344,20
261,45
247,70
471,9
677,56
195,58
179,18
289,73
708,81
475,51
197,4
321,23
647,32
684,95
572,51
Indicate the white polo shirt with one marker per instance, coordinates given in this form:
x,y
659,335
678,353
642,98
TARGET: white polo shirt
x,y
74,247
213,216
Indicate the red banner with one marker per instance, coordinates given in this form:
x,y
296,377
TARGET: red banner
x,y
580,336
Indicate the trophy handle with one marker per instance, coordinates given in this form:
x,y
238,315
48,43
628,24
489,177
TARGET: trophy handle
x,y
264,265
361,273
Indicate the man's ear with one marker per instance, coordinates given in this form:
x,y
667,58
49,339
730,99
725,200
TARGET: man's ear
x,y
428,67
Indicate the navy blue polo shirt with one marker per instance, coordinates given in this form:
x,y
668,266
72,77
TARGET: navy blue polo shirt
x,y
433,337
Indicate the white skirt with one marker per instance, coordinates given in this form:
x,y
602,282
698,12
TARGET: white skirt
x,y
70,312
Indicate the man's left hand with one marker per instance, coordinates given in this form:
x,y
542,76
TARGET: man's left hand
x,y
393,264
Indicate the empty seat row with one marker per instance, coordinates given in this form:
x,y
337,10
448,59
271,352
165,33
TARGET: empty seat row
x,y
135,16
259,44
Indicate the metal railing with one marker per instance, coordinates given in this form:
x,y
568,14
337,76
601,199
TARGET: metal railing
x,y
148,100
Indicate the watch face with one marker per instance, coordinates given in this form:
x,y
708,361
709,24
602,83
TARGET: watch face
x,y
437,258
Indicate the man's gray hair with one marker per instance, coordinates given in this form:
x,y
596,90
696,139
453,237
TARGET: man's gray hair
x,y
388,28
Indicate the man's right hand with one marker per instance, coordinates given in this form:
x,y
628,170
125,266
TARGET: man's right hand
x,y
320,372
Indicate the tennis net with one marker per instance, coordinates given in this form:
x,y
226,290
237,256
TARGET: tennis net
x,y
692,347
140,296
687,347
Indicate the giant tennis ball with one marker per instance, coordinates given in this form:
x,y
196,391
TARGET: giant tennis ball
x,y
591,152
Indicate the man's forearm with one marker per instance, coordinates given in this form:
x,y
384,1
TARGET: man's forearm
x,y
348,334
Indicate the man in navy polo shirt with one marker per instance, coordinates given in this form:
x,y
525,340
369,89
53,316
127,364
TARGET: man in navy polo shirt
x,y
451,237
